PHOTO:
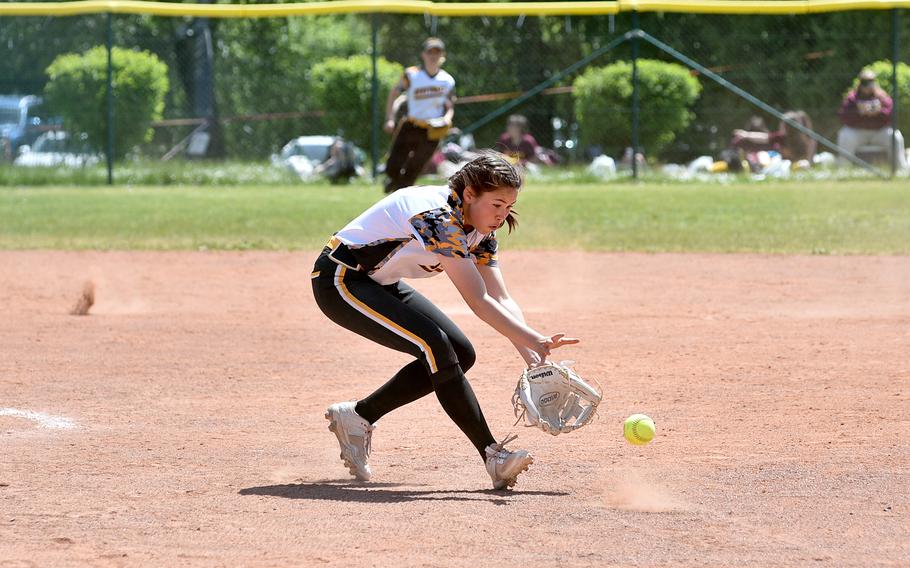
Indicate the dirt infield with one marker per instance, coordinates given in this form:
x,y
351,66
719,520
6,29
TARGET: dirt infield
x,y
180,423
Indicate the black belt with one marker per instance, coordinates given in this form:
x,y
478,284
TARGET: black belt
x,y
341,254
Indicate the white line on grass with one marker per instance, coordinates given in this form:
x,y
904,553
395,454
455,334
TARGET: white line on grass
x,y
43,420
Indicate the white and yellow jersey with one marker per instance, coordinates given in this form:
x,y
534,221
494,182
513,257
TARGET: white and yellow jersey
x,y
402,235
427,95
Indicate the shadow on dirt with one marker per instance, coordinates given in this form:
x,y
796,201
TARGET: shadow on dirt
x,y
355,492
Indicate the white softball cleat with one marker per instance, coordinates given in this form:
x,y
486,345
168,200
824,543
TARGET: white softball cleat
x,y
504,466
354,435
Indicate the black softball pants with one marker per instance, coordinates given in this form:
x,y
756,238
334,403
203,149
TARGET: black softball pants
x,y
411,150
398,317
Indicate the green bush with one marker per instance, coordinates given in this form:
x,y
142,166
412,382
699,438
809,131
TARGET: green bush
x,y
883,71
603,102
77,91
343,87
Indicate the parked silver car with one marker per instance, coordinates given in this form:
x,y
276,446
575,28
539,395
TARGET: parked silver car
x,y
56,148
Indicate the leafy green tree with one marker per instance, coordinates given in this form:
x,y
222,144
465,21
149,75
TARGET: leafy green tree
x,y
788,61
264,66
343,87
77,90
30,43
603,97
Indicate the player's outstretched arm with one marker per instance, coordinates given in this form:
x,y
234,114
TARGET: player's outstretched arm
x,y
496,289
470,284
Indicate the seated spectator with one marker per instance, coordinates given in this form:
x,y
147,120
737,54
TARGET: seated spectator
x,y
519,145
792,144
625,162
754,124
866,116
457,150
341,165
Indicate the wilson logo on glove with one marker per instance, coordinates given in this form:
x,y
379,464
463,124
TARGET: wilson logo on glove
x,y
539,372
564,401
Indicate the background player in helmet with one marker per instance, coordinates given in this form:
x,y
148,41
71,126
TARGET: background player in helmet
x,y
419,232
430,97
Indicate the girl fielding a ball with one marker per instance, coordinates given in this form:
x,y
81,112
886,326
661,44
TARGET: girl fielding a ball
x,y
419,232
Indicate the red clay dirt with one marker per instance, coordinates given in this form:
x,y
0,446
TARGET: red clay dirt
x,y
196,388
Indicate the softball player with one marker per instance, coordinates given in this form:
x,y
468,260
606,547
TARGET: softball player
x,y
418,232
430,97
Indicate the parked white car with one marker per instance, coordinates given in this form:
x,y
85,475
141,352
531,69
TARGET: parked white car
x,y
314,157
56,148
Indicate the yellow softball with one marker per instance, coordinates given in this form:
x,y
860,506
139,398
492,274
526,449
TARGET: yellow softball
x,y
638,429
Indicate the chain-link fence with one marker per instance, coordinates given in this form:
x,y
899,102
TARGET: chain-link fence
x,y
240,90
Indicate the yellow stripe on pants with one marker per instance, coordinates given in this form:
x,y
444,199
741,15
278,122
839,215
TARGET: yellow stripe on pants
x,y
381,319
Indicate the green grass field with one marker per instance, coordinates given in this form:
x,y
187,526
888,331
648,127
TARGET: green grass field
x,y
836,217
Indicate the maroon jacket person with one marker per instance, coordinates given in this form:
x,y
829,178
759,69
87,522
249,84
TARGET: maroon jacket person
x,y
866,116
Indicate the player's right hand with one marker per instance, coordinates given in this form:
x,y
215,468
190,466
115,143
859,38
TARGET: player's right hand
x,y
547,344
389,126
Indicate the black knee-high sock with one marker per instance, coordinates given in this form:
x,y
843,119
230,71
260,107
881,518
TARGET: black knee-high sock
x,y
454,393
408,385
457,398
